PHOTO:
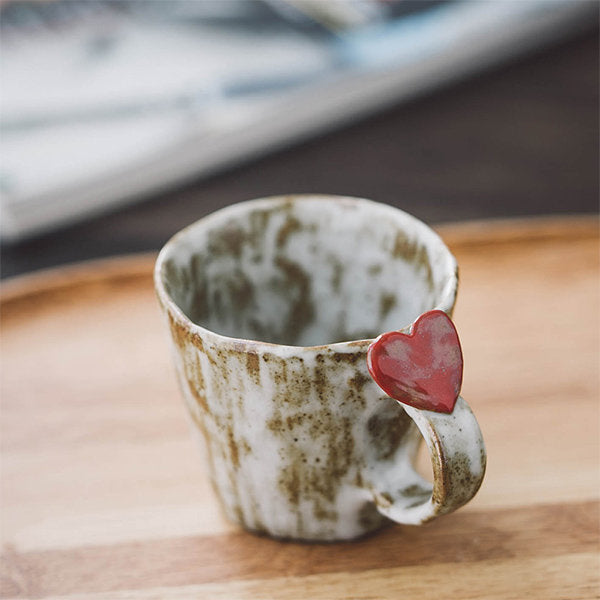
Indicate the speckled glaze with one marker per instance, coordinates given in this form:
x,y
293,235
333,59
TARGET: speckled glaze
x,y
272,305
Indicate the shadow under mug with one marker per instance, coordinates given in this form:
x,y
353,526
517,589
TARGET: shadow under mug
x,y
271,305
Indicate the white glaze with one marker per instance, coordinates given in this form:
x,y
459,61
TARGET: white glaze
x,y
273,468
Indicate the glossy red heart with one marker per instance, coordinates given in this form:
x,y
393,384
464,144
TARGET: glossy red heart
x,y
423,368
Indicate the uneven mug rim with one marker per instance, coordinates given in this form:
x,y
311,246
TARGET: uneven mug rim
x,y
445,303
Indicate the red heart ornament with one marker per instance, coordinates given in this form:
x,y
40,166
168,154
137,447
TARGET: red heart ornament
x,y
424,368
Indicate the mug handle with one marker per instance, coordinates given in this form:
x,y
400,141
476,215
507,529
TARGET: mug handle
x,y
458,459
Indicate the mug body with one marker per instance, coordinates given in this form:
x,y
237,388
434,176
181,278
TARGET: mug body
x,y
272,305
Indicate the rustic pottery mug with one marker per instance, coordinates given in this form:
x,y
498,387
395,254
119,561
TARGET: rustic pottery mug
x,y
273,305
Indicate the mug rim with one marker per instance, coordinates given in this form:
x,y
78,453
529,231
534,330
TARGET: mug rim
x,y
446,302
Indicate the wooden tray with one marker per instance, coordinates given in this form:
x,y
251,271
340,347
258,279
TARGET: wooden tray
x,y
104,496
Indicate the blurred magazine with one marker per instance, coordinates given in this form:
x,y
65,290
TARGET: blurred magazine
x,y
105,102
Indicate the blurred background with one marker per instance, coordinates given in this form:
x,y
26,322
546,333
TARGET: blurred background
x,y
123,121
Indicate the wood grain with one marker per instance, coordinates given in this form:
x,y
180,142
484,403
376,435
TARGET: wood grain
x,y
104,494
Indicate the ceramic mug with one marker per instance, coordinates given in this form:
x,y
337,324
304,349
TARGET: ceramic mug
x,y
272,306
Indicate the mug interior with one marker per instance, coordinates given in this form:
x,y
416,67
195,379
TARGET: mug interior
x,y
307,271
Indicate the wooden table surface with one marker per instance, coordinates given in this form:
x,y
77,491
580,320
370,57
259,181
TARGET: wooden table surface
x,y
104,495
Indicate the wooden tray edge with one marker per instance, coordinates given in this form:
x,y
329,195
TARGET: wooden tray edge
x,y
457,235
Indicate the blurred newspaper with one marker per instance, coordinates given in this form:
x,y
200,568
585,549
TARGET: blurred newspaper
x,y
105,102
